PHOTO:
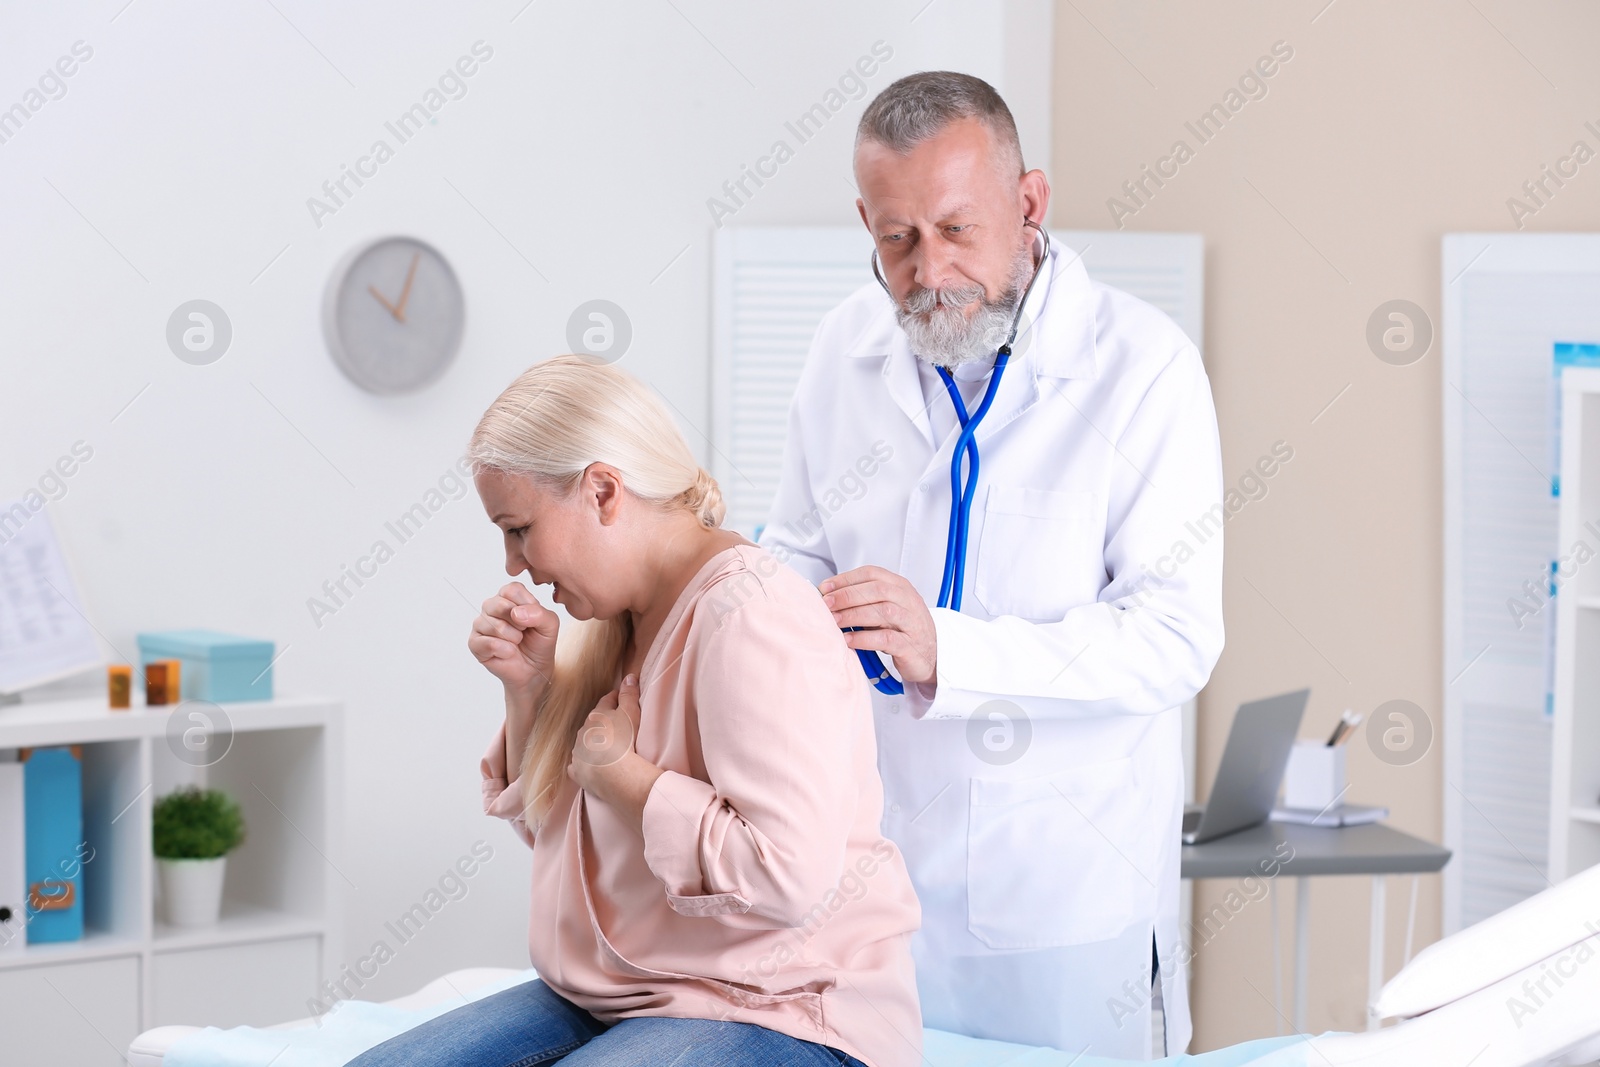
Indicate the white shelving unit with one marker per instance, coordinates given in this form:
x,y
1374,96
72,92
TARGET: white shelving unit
x,y
1575,766
81,1002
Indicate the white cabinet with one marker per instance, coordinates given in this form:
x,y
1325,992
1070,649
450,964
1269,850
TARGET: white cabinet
x,y
1575,766
81,1002
79,1013
236,985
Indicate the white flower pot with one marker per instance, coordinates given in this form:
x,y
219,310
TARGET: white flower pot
x,y
192,890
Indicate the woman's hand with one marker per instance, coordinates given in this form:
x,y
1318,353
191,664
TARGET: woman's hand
x,y
515,638
604,763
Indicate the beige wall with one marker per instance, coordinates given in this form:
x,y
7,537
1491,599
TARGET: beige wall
x,y
1392,124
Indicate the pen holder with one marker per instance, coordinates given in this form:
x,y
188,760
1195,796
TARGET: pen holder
x,y
1315,776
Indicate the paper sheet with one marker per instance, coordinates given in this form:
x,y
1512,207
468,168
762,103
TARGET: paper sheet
x,y
43,632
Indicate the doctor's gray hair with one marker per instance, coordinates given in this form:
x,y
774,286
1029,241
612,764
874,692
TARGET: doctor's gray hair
x,y
920,105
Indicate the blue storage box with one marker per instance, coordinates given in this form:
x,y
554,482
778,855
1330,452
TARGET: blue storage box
x,y
216,666
52,813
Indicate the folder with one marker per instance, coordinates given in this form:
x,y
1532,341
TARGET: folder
x,y
52,807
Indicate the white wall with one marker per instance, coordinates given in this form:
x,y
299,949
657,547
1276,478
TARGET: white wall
x,y
177,166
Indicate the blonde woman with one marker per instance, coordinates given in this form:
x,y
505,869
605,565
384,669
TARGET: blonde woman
x,y
692,762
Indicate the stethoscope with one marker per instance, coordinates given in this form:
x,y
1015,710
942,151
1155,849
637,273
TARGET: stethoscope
x,y
961,494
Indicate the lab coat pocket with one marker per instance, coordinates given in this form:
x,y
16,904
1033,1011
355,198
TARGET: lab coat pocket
x,y
1040,552
1059,860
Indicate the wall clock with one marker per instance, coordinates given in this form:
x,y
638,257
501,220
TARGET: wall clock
x,y
393,315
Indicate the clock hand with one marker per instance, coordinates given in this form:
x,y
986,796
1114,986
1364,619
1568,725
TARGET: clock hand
x,y
373,290
405,294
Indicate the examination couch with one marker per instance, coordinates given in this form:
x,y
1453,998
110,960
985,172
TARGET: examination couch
x,y
1520,989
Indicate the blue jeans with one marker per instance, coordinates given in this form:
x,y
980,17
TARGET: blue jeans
x,y
529,1025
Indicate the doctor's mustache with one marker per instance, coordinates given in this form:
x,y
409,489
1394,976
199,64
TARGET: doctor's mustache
x,y
922,301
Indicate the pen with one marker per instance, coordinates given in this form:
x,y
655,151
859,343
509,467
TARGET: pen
x,y
1344,727
1338,728
1354,722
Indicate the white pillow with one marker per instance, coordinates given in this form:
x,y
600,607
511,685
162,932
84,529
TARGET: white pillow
x,y
1542,1016
1500,945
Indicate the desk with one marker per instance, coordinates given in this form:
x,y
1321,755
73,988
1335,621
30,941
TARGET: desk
x,y
1373,849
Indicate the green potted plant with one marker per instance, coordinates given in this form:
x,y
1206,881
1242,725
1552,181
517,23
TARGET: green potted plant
x,y
194,831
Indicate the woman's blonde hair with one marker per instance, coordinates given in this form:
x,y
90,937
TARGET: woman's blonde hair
x,y
549,425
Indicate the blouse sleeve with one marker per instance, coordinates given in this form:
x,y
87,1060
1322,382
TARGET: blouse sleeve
x,y
501,798
762,842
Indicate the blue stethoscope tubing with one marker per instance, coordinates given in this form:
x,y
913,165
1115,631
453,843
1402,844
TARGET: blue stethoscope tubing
x,y
961,492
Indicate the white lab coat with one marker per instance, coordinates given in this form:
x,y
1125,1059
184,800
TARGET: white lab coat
x,y
1043,843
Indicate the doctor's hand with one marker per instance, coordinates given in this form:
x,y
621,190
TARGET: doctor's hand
x,y
892,615
514,637
604,763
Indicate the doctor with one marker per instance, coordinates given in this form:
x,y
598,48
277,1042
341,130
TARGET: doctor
x,y
1033,763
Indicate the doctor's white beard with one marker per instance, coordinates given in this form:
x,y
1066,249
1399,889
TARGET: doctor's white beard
x,y
941,331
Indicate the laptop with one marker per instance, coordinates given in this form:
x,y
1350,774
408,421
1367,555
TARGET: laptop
x,y
1251,770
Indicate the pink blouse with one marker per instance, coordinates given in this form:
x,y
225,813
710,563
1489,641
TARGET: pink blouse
x,y
762,890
